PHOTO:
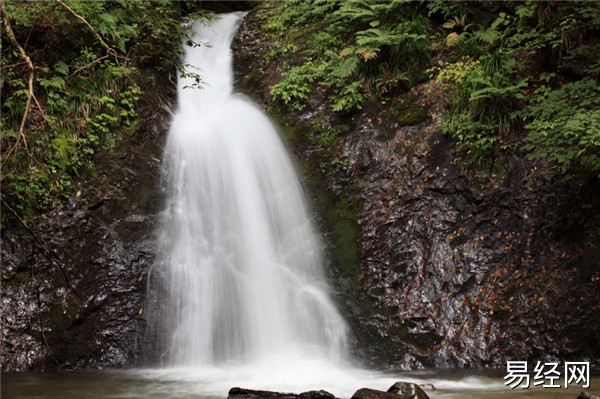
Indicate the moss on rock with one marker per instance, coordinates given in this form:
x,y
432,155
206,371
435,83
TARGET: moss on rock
x,y
406,112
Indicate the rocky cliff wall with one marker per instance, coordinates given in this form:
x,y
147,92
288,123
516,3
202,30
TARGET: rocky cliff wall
x,y
73,283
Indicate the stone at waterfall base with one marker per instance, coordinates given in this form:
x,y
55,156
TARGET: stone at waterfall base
x,y
410,390
400,390
367,393
242,393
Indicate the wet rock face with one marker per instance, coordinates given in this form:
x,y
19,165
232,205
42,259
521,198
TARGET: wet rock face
x,y
469,270
73,285
453,269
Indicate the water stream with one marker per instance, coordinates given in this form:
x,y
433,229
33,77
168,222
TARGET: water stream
x,y
240,257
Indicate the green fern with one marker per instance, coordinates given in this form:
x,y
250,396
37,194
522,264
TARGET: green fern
x,y
565,126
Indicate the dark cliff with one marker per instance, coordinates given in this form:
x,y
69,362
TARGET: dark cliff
x,y
73,285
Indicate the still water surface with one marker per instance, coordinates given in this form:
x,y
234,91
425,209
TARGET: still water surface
x,y
120,384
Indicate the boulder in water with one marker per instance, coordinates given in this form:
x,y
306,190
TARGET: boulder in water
x,y
242,393
408,390
585,395
316,395
367,393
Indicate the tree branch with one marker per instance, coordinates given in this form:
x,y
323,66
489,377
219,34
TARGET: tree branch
x,y
109,50
40,320
87,66
13,40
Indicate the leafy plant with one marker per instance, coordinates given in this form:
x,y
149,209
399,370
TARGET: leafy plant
x,y
348,98
70,84
492,52
324,135
483,110
362,47
500,64
294,88
565,126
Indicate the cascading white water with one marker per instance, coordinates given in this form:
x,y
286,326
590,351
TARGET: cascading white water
x,y
242,262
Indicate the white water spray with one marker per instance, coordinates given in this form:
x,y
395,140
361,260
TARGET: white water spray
x,y
243,264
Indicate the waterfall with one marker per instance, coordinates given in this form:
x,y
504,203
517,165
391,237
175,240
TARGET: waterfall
x,y
239,258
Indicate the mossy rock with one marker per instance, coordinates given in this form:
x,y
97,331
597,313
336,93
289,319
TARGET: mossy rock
x,y
401,268
399,331
377,292
387,311
418,76
407,112
250,83
325,135
295,135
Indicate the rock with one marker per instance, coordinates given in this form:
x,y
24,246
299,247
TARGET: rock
x,y
242,393
316,395
367,393
585,395
409,390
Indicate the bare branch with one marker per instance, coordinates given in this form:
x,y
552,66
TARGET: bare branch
x,y
39,303
42,111
13,40
87,66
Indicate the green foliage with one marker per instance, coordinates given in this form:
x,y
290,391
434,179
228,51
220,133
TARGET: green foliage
x,y
492,71
565,126
500,67
87,83
482,112
324,135
449,75
295,87
348,97
363,47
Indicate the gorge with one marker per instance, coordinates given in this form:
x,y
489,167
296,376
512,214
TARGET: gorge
x,y
421,265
